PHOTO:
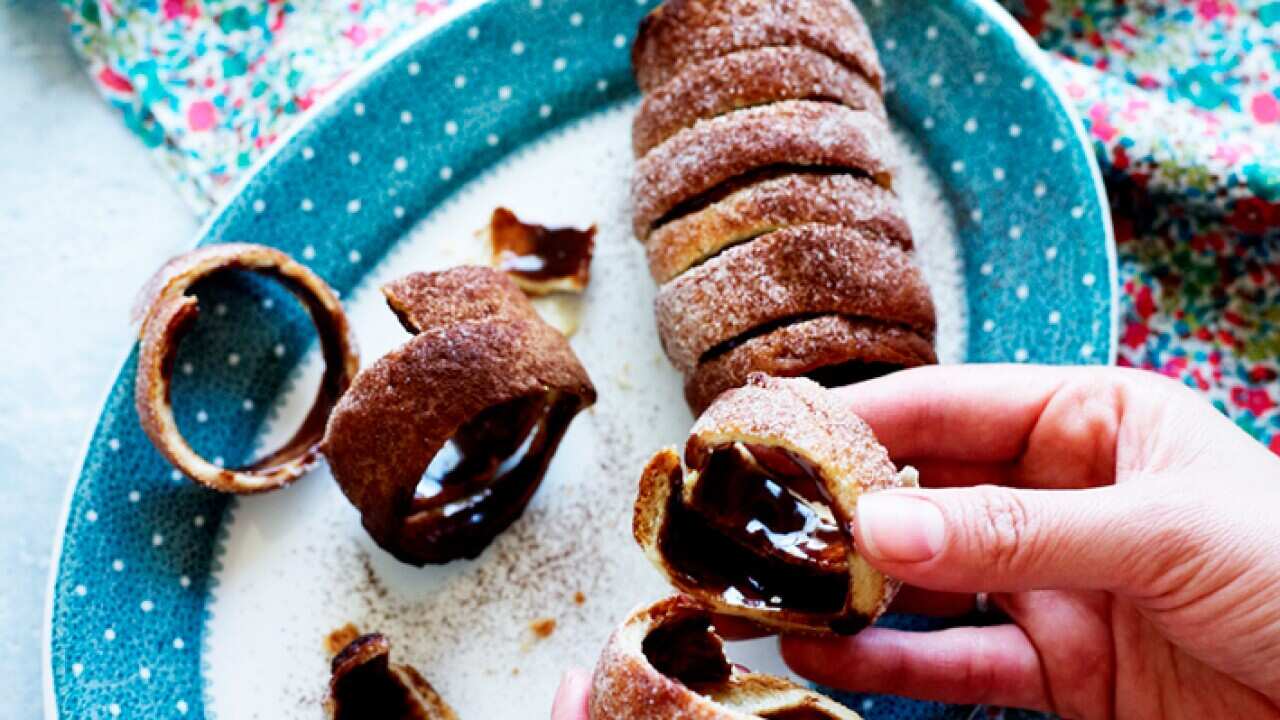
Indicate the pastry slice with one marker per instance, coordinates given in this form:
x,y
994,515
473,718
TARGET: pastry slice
x,y
700,164
680,33
666,661
441,443
366,685
745,79
784,276
166,310
833,350
792,199
754,521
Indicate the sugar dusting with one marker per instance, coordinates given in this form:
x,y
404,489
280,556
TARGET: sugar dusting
x,y
297,563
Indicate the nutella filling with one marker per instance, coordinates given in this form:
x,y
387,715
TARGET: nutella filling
x,y
755,527
687,649
365,685
540,254
480,481
853,371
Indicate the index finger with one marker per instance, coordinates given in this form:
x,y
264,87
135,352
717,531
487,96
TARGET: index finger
x,y
974,413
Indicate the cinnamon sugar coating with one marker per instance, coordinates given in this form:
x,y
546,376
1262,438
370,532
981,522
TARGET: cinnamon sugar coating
x,y
793,273
744,79
679,33
793,199
479,346
809,346
793,133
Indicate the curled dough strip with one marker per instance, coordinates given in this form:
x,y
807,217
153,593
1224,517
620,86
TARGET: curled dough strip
x,y
834,349
781,423
679,33
789,274
665,661
167,311
795,199
745,79
792,133
481,367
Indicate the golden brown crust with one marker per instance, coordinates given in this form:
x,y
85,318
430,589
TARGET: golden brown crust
x,y
627,686
491,349
800,417
806,346
745,79
166,312
792,133
679,33
794,199
793,273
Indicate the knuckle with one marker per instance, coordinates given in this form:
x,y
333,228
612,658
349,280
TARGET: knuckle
x,y
1000,526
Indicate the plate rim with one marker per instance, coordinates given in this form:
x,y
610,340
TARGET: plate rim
x,y
1023,44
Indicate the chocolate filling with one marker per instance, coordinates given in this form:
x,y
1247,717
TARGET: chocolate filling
x,y
848,373
483,477
688,651
758,530
540,254
366,686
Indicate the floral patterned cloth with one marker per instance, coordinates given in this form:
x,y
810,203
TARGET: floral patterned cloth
x,y
1182,100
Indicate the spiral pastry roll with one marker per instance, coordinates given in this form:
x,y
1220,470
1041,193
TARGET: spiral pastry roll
x,y
763,194
441,443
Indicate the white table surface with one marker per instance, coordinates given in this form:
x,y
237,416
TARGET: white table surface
x,y
85,217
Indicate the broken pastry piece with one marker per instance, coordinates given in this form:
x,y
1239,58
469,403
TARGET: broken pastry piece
x,y
167,311
441,443
755,522
366,685
666,661
541,260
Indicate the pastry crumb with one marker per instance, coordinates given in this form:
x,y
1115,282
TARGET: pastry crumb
x,y
340,638
543,627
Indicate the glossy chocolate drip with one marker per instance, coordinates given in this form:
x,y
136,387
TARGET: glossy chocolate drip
x,y
501,456
740,537
771,510
540,254
474,456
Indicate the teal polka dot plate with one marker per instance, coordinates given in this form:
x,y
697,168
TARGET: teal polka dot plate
x,y
140,550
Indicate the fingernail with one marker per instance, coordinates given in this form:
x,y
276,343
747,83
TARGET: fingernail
x,y
895,527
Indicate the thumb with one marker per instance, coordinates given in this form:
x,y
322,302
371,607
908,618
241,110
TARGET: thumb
x,y
998,539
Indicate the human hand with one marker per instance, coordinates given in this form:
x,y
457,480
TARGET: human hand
x,y
1130,532
571,698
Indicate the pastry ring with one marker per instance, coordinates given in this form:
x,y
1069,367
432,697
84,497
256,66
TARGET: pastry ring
x,y
441,443
666,661
167,311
